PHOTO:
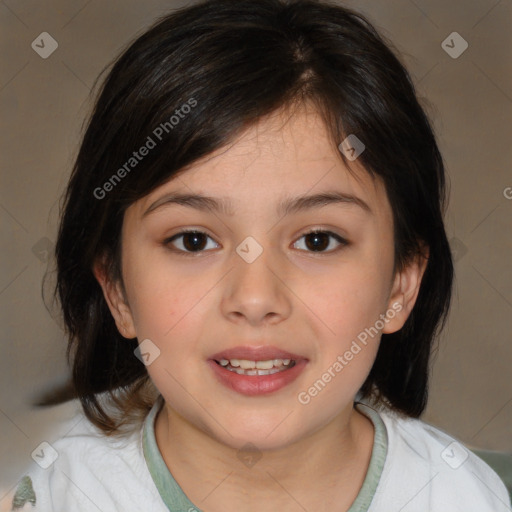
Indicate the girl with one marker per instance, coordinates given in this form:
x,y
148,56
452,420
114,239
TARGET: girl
x,y
252,267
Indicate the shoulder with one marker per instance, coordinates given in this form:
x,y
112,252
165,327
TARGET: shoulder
x,y
436,471
83,468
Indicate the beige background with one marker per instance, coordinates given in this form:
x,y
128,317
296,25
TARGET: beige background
x,y
43,103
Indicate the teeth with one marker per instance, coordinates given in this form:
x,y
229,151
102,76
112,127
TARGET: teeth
x,y
251,365
246,367
264,365
269,372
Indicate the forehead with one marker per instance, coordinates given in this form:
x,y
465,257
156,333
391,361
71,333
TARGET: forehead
x,y
280,156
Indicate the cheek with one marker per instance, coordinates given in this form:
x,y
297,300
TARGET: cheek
x,y
350,305
163,301
347,347
353,300
167,310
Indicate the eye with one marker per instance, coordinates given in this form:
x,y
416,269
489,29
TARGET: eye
x,y
192,241
318,240
195,241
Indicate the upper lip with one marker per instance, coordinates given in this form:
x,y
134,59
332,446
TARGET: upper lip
x,y
255,353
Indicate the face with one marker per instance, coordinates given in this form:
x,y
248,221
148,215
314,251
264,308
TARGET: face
x,y
252,284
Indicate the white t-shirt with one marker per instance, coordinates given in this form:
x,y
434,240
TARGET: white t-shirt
x,y
414,467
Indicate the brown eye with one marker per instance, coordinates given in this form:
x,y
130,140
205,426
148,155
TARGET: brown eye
x,y
192,241
319,241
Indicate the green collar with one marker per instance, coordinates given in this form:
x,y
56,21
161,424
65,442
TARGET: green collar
x,y
177,501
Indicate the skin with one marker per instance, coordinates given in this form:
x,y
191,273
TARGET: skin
x,y
312,303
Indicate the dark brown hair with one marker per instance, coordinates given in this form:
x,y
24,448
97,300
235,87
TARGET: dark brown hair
x,y
239,60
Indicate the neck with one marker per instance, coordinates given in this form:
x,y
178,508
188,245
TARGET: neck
x,y
328,465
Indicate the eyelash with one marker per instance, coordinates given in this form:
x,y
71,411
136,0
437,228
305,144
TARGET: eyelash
x,y
185,253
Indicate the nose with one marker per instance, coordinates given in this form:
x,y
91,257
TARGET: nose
x,y
256,292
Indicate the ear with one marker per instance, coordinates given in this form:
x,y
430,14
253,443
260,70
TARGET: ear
x,y
404,292
116,301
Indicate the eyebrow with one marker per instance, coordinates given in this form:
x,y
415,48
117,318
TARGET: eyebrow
x,y
285,207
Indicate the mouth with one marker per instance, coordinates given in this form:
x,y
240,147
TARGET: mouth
x,y
256,370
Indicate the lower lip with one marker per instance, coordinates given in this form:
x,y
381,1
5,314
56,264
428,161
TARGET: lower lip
x,y
253,385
